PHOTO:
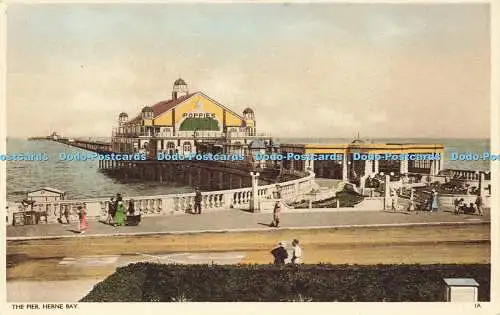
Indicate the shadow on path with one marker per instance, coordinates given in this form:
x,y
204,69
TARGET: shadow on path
x,y
265,224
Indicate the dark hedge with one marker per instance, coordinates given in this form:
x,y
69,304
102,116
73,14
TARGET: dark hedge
x,y
148,282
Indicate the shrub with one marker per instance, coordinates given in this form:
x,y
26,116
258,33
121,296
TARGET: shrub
x,y
125,285
149,282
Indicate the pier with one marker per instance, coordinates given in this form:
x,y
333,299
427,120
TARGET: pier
x,y
194,123
97,146
208,175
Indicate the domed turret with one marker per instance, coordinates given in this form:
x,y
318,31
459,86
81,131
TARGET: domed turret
x,y
180,89
180,81
147,112
122,118
248,114
249,121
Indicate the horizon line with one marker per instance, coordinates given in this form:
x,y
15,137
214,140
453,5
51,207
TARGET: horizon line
x,y
291,137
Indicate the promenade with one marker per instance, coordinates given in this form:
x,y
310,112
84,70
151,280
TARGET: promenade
x,y
50,262
240,221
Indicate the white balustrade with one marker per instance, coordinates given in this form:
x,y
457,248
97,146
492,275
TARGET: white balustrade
x,y
97,208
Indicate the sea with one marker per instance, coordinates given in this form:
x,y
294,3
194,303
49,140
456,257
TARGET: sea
x,y
82,179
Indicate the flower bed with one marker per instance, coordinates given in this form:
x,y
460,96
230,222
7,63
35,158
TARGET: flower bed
x,y
346,200
147,282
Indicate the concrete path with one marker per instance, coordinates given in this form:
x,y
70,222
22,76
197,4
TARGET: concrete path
x,y
49,291
115,261
73,290
238,220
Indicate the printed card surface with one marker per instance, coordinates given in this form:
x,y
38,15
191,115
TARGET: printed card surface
x,y
163,154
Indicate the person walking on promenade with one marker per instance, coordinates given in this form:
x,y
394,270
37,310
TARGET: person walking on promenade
x,y
66,213
456,208
120,214
479,204
197,201
280,254
118,199
434,205
131,208
82,216
394,201
111,211
297,252
276,214
460,203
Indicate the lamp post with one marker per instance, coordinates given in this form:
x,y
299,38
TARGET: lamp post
x,y
254,202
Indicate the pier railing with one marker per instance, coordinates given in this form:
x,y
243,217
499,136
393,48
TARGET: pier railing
x,y
97,208
190,134
466,174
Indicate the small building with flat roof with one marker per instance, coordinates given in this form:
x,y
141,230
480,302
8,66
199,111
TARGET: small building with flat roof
x,y
357,159
46,194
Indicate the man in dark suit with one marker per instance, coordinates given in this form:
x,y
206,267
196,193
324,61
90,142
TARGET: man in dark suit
x,y
280,254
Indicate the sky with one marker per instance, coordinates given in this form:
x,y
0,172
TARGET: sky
x,y
307,70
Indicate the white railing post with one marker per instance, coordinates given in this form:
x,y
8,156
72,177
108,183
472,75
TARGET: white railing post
x,y
254,202
167,205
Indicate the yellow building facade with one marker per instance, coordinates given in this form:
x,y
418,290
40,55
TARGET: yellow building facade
x,y
184,122
358,159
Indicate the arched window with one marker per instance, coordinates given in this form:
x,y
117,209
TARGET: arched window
x,y
186,147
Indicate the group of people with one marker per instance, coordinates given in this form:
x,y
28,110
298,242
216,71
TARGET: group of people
x,y
462,207
428,204
117,212
280,253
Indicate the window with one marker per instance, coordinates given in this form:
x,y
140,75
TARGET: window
x,y
421,164
186,147
170,147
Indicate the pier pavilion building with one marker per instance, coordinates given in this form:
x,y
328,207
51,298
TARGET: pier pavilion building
x,y
189,122
350,167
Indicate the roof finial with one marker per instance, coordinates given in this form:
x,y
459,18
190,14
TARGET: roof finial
x,y
358,134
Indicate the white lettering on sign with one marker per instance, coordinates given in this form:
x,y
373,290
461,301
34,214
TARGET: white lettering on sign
x,y
199,115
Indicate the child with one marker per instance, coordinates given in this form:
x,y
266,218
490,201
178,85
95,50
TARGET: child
x,y
82,215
